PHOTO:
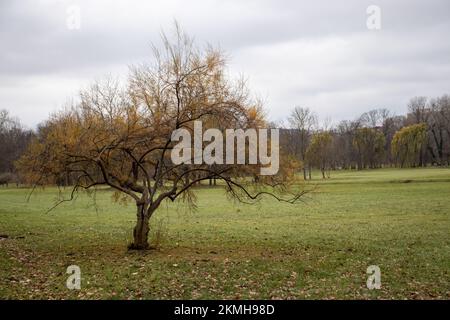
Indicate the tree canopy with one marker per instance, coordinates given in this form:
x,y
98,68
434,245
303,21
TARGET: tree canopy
x,y
120,135
407,144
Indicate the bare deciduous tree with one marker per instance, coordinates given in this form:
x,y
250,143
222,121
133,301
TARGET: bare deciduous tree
x,y
121,136
304,122
13,141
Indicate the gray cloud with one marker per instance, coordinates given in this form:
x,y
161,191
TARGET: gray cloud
x,y
316,54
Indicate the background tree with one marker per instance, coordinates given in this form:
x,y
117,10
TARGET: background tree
x,y
439,130
419,113
120,136
374,118
358,143
385,122
319,152
407,144
369,144
13,141
343,143
303,121
390,126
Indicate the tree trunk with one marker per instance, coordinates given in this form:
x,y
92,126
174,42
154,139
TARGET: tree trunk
x,y
140,232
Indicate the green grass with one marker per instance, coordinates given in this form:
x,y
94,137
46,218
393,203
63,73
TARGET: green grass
x,y
396,219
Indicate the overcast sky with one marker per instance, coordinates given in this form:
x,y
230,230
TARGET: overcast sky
x,y
318,54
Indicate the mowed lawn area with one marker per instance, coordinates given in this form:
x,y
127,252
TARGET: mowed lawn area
x,y
395,219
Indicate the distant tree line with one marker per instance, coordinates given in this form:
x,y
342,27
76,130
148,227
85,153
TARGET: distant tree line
x,y
14,140
376,139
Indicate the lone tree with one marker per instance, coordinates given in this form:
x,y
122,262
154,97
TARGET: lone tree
x,y
121,136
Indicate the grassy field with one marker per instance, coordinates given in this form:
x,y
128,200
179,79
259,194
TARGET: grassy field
x,y
396,219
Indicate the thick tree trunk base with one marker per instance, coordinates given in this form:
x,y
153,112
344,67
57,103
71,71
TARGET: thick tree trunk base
x,y
139,246
140,232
